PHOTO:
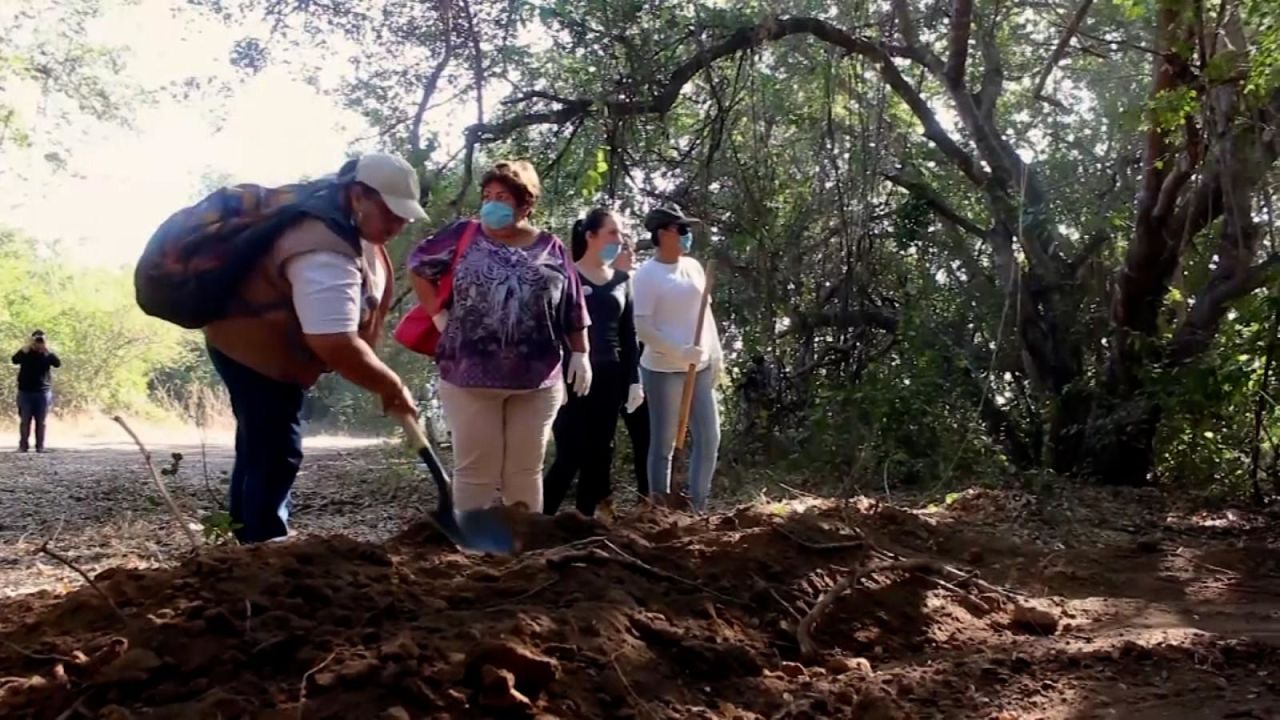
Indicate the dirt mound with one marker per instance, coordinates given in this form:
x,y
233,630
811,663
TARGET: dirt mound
x,y
658,616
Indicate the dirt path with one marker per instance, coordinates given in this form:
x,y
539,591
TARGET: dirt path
x,y
1078,603
95,486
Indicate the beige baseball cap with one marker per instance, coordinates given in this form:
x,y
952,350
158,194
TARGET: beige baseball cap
x,y
395,181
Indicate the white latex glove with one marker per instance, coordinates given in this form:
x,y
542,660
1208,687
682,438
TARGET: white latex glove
x,y
692,355
579,373
635,396
440,319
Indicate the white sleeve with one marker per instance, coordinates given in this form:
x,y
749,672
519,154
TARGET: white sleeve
x,y
326,292
644,296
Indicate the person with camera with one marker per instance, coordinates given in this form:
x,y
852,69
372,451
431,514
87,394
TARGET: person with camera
x,y
35,363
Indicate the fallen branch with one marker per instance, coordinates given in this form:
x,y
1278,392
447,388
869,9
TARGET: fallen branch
x,y
786,605
523,596
44,549
164,491
804,631
635,699
302,689
843,545
36,656
943,568
204,465
1182,553
797,492
597,556
76,708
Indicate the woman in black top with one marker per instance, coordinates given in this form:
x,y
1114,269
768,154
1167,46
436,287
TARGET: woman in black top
x,y
636,421
585,428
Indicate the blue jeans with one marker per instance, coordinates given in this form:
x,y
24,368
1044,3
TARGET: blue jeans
x,y
662,391
268,449
32,406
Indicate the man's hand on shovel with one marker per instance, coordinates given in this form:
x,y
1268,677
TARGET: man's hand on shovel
x,y
398,402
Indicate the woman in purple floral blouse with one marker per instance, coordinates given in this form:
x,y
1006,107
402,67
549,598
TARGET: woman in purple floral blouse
x,y
516,304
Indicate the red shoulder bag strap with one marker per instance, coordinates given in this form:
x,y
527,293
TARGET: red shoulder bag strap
x,y
446,282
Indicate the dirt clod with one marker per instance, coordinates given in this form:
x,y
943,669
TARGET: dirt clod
x,y
529,671
498,691
1030,620
841,665
135,665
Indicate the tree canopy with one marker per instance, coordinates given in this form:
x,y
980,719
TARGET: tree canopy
x,y
957,238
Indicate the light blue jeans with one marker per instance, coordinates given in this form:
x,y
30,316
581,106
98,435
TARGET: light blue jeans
x,y
663,391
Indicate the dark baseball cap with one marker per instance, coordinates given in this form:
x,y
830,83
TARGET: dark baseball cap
x,y
37,335
665,215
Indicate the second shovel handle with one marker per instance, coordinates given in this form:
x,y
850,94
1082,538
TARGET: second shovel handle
x,y
691,375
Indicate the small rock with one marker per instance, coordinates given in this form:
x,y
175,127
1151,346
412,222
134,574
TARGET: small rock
x,y
1148,544
1030,620
841,665
394,713
400,648
530,671
561,651
357,669
219,621
434,605
114,712
793,670
135,665
498,691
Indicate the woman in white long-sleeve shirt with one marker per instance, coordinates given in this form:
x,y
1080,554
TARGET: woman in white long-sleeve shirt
x,y
668,294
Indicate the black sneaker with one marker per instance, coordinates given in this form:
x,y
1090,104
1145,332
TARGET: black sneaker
x,y
22,450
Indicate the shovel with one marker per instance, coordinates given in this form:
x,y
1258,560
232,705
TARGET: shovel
x,y
679,498
486,530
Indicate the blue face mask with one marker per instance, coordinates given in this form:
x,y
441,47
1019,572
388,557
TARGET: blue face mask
x,y
686,242
497,215
609,253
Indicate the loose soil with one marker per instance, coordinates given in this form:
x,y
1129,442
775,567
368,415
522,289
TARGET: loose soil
x,y
1078,603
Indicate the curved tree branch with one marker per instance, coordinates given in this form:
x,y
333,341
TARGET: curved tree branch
x,y
1064,41
744,38
958,43
934,200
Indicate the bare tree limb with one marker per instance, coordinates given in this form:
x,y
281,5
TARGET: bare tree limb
x,y
164,491
1064,41
958,43
433,80
743,38
804,630
935,201
44,549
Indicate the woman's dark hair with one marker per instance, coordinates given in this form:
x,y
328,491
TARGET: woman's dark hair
x,y
589,224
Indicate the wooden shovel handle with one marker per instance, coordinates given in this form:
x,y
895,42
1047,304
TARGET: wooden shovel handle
x,y
413,430
691,375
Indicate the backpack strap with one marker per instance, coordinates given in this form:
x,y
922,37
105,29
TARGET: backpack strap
x,y
446,282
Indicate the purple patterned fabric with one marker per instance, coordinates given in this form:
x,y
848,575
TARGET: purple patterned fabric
x,y
510,312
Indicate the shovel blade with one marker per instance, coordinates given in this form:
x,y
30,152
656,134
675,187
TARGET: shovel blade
x,y
486,530
482,531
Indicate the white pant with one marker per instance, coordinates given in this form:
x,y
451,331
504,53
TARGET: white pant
x,y
499,441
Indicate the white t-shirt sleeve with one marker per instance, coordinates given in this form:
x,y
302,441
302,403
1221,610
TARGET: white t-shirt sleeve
x,y
644,293
326,292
